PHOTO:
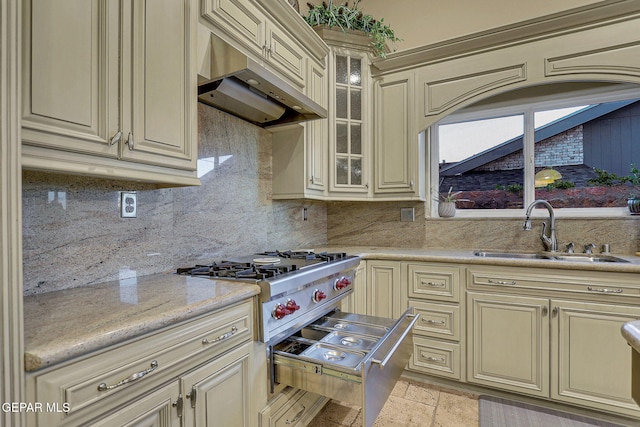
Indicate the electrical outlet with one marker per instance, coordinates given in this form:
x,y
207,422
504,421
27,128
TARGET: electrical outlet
x,y
407,214
304,214
128,204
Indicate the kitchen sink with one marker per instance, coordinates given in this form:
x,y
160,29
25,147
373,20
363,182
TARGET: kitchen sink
x,y
587,258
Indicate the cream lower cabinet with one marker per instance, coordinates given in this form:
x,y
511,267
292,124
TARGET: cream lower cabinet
x,y
508,342
434,292
356,302
109,89
182,375
553,334
591,361
384,289
219,393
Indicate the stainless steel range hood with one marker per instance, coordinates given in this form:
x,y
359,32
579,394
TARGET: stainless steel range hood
x,y
240,86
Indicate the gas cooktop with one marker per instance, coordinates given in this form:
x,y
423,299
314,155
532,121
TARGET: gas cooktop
x,y
264,265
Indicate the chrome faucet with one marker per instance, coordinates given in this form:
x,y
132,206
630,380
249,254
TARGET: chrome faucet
x,y
550,242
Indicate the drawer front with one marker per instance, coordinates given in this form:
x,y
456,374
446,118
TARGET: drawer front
x,y
301,412
434,282
112,377
437,320
436,358
599,284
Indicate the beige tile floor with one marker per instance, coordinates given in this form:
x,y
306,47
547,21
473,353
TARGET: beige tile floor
x,y
411,404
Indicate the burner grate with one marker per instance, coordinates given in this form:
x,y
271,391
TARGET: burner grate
x,y
237,270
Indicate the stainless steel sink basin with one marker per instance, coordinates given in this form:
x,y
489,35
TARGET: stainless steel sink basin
x,y
588,258
516,255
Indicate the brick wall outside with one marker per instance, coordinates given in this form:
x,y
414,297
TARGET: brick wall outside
x,y
560,150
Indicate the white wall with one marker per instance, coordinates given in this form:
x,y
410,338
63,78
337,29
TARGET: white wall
x,y
421,22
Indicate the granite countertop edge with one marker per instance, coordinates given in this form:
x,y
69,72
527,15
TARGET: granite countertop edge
x,y
631,333
66,324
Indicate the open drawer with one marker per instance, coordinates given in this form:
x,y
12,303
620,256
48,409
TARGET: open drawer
x,y
348,357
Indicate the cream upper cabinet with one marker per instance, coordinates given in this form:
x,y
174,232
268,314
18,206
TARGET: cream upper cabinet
x,y
71,70
107,81
159,108
399,151
250,25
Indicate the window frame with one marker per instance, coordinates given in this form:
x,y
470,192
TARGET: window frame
x,y
527,108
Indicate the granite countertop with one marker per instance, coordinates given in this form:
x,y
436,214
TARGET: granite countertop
x,y
631,332
64,324
467,257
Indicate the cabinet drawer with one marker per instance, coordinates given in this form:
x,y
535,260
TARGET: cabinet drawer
x,y
112,377
292,407
437,320
433,281
598,284
436,358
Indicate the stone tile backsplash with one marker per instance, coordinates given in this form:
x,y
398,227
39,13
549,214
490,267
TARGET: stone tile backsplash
x,y
73,234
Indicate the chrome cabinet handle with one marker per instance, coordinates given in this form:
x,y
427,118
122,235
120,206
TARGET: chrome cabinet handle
x,y
433,284
605,290
501,282
436,359
434,322
222,337
116,138
130,142
297,417
129,379
382,363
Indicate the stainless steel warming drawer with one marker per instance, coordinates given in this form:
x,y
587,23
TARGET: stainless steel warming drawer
x,y
348,357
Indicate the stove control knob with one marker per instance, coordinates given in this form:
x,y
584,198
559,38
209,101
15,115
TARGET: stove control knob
x,y
341,283
318,295
292,306
279,311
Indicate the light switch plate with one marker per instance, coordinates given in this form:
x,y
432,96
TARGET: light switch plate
x,y
407,214
128,204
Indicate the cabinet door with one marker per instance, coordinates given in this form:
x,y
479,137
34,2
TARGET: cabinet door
x,y
159,88
508,342
349,125
317,129
240,19
395,139
219,393
357,301
591,361
70,75
153,410
286,54
384,289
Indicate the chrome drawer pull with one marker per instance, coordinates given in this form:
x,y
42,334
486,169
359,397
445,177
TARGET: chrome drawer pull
x,y
222,337
434,322
132,378
605,290
434,284
382,363
501,282
436,359
297,417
